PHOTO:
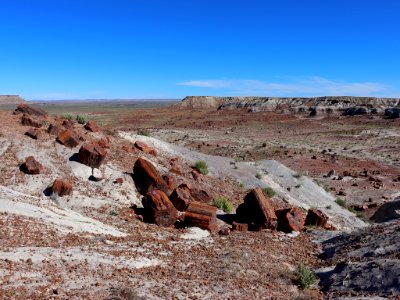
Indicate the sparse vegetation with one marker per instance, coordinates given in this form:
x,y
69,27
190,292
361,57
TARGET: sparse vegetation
x,y
81,119
201,166
329,207
269,192
143,131
340,202
113,213
297,186
223,203
258,176
305,276
68,116
298,175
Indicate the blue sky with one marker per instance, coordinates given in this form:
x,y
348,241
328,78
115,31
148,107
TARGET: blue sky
x,y
70,49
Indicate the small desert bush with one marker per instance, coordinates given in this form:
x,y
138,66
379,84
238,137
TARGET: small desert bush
x,y
68,116
305,276
269,192
223,203
201,166
143,131
81,119
298,175
258,176
340,202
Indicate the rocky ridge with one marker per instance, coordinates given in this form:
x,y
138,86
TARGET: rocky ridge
x,y
11,100
346,105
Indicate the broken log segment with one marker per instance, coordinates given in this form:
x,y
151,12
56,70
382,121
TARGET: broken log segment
x,y
290,219
146,175
201,215
159,209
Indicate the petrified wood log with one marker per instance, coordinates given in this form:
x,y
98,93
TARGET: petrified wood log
x,y
61,187
316,217
92,155
146,175
290,219
68,138
159,209
181,198
201,215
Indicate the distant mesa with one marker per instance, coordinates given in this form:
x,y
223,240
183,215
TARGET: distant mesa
x,y
345,105
11,100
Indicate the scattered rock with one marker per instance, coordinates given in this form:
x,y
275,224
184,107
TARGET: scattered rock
x,y
31,166
387,212
68,138
240,226
92,155
33,133
69,124
176,168
290,219
224,231
92,126
196,175
54,129
146,149
316,218
170,181
28,121
119,180
104,142
257,211
159,209
29,110
392,113
61,187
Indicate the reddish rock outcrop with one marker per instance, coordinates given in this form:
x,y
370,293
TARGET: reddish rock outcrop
x,y
28,121
240,226
69,124
159,209
92,155
104,142
146,175
170,181
68,138
61,187
146,149
31,166
176,168
290,219
54,129
33,133
257,211
316,217
201,195
201,215
92,126
29,110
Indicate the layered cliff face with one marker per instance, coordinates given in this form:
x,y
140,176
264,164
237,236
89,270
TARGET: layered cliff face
x,y
11,100
344,104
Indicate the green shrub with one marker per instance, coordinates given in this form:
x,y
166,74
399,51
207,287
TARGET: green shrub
x,y
297,186
298,175
269,192
223,203
305,276
143,131
201,166
68,116
258,176
329,207
340,202
81,119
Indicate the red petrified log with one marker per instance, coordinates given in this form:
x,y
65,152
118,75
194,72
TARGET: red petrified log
x,y
31,166
240,226
181,198
146,149
61,187
92,155
28,121
33,133
146,175
68,138
26,109
257,211
290,219
316,217
92,126
54,129
201,215
159,209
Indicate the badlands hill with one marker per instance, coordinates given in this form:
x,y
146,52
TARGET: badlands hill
x,y
11,100
329,104
90,213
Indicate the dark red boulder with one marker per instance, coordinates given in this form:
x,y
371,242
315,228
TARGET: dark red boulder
x,y
31,166
29,110
33,133
92,155
29,121
68,138
316,218
61,187
290,219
